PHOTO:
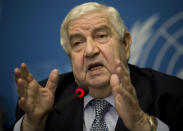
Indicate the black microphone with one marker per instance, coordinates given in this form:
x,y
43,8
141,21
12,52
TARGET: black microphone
x,y
80,92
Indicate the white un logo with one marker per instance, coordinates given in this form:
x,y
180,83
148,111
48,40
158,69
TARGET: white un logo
x,y
161,49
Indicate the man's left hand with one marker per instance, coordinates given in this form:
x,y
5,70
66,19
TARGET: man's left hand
x,y
126,102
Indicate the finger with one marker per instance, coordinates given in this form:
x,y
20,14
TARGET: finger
x,y
21,103
25,73
22,87
124,76
122,70
119,88
32,93
121,95
116,65
24,70
115,84
121,103
43,91
119,73
24,106
30,77
114,81
124,98
53,80
17,74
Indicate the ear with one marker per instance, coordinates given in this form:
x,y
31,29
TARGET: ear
x,y
68,52
69,55
127,41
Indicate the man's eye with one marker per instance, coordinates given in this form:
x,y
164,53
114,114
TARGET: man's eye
x,y
102,36
76,43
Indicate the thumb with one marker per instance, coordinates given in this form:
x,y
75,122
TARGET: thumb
x,y
115,83
53,80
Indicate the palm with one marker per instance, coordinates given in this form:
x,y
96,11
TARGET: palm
x,y
126,101
43,103
34,99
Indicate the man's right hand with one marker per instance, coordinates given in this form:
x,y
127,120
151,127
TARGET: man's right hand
x,y
35,100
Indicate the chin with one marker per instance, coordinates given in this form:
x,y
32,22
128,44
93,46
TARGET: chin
x,y
98,83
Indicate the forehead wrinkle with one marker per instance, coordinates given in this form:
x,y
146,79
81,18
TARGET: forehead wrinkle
x,y
84,23
85,26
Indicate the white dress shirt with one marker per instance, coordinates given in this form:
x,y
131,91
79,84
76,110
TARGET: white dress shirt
x,y
110,117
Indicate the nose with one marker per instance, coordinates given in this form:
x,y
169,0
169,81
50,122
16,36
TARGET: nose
x,y
91,48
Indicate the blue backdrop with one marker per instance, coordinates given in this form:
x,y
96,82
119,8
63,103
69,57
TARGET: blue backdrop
x,y
29,32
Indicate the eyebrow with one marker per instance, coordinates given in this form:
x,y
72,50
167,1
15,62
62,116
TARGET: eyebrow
x,y
103,27
75,35
100,28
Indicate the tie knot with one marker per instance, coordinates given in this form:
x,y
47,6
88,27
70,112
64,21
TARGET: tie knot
x,y
101,107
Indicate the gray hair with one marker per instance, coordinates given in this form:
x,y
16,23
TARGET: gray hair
x,y
84,9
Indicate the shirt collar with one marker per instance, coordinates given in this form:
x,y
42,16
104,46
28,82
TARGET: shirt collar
x,y
88,98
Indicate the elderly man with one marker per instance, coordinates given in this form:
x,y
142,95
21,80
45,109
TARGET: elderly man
x,y
121,96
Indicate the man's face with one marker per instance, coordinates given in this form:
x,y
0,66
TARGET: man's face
x,y
94,48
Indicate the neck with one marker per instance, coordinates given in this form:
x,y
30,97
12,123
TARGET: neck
x,y
100,92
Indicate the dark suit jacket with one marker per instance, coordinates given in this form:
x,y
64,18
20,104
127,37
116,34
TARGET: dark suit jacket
x,y
158,94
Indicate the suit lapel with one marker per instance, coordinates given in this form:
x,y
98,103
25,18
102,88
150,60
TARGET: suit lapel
x,y
143,86
68,117
72,115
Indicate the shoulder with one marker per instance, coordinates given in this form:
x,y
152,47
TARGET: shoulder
x,y
153,74
63,79
158,80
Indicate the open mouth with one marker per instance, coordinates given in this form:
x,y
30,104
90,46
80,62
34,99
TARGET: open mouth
x,y
95,66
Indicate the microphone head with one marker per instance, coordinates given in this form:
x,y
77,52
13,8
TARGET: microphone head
x,y
82,91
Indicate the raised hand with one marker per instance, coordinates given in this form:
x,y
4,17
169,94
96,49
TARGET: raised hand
x,y
35,100
126,101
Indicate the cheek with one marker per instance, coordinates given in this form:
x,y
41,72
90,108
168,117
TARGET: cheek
x,y
78,67
110,54
76,62
113,51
